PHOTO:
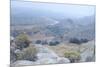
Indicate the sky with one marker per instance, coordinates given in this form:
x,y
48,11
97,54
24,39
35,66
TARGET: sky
x,y
48,9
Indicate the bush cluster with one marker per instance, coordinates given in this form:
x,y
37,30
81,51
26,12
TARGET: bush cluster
x,y
51,43
78,41
54,43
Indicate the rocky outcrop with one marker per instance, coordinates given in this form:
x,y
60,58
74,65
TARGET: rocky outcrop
x,y
44,56
88,53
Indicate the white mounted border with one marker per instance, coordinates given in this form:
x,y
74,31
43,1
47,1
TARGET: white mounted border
x,y
5,31
89,2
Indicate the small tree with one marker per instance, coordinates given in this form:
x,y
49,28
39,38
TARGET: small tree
x,y
22,41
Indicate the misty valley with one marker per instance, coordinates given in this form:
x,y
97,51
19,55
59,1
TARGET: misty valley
x,y
40,34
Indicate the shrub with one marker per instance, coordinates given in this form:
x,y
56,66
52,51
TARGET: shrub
x,y
84,40
38,42
28,53
44,42
78,41
75,40
22,41
54,43
73,56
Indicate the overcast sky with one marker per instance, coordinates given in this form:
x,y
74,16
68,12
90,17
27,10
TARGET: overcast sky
x,y
61,9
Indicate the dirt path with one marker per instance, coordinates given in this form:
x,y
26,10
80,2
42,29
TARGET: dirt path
x,y
47,56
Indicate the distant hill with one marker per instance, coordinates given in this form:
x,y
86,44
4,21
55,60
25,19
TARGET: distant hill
x,y
26,16
70,28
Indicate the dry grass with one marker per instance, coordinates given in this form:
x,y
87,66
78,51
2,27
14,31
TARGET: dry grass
x,y
62,48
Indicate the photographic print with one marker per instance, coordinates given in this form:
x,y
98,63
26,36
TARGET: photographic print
x,y
44,33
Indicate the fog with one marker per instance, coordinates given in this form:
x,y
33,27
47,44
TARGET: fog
x,y
51,9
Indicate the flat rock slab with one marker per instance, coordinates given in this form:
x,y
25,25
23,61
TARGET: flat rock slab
x,y
20,63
